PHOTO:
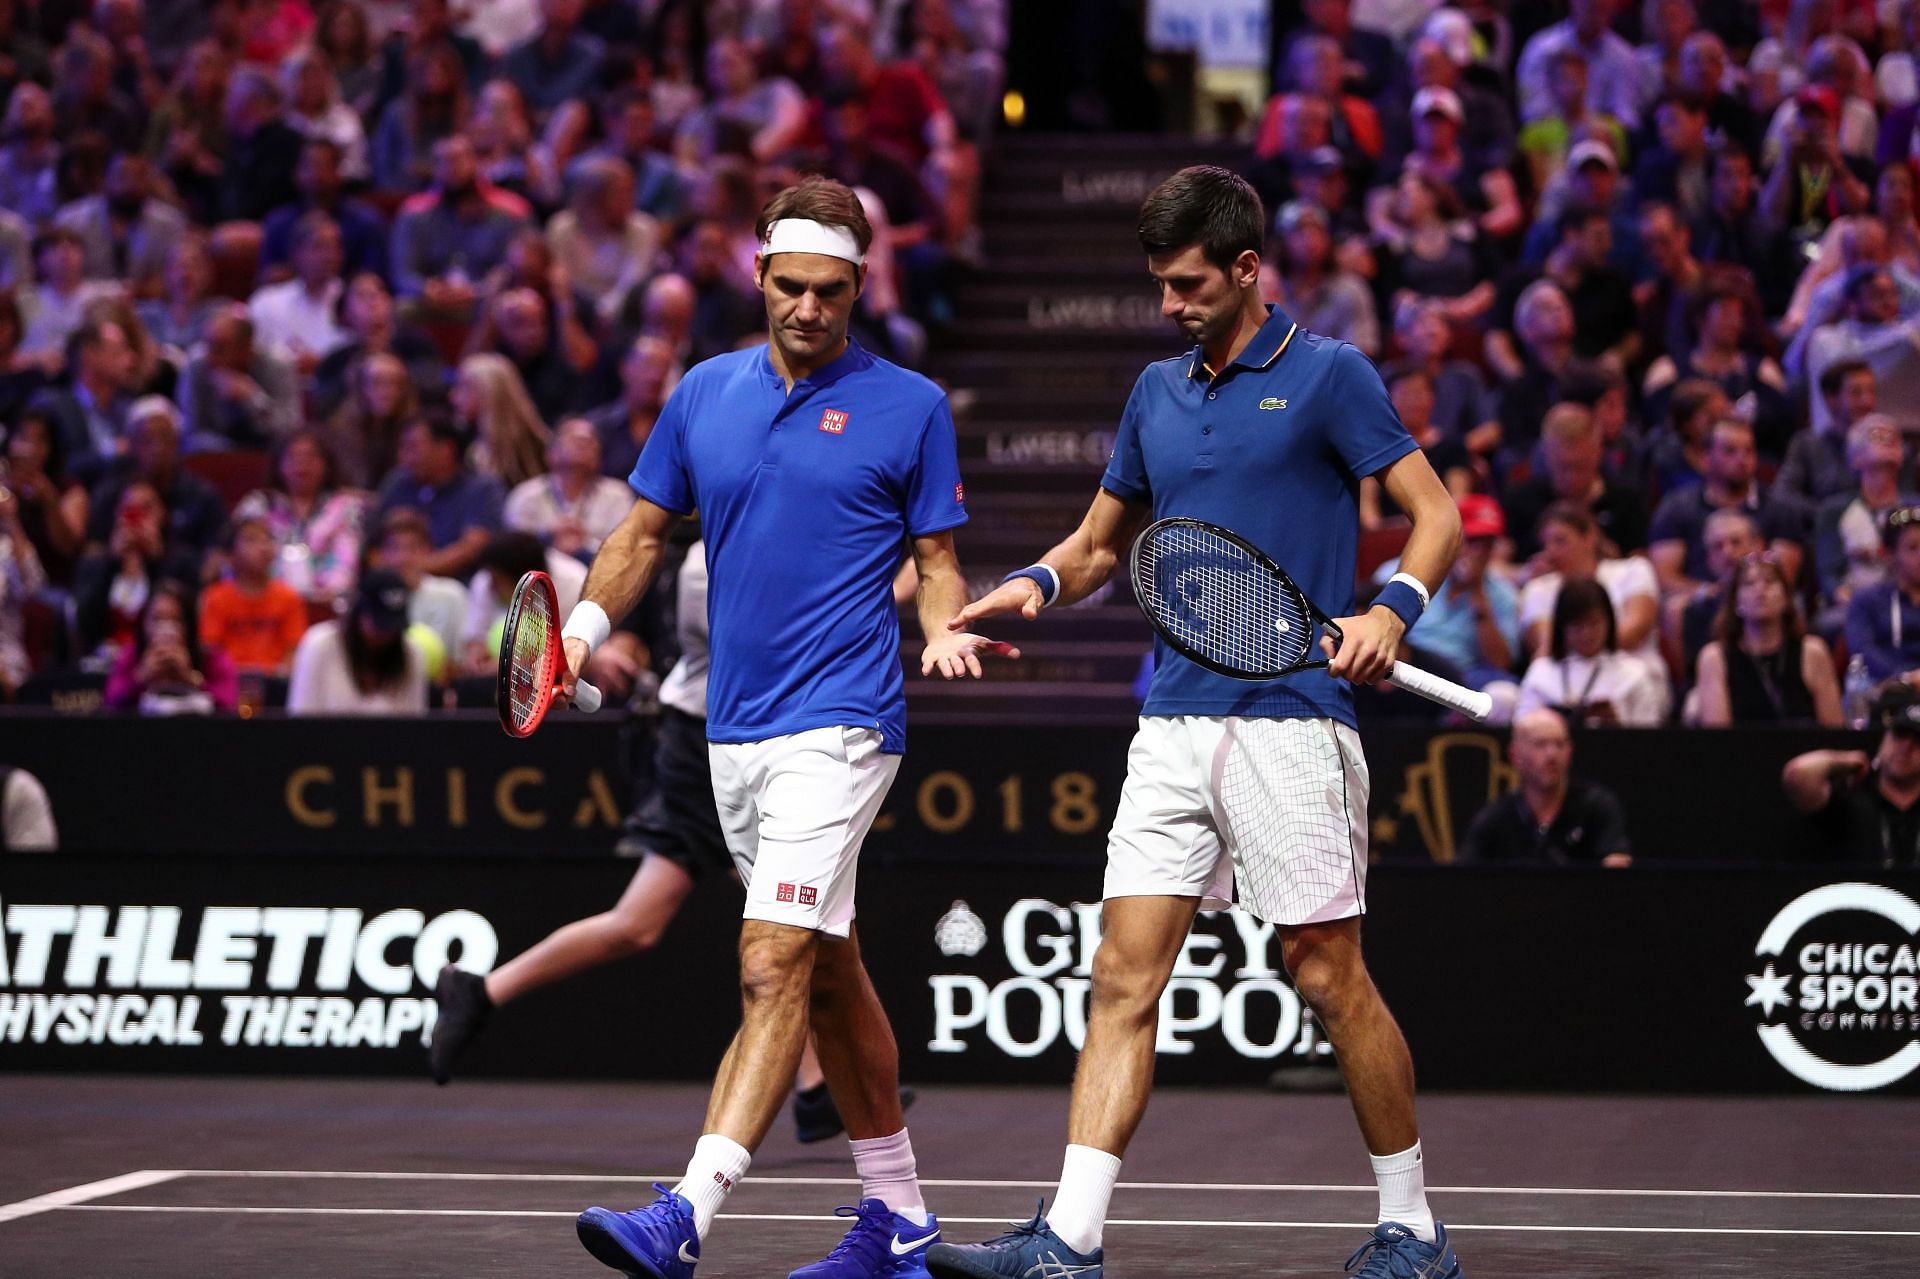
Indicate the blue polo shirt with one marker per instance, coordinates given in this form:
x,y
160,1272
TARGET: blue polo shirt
x,y
804,501
1272,447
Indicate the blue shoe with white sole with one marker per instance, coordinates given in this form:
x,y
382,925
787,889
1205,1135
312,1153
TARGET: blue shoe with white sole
x,y
882,1245
655,1242
1395,1252
1031,1251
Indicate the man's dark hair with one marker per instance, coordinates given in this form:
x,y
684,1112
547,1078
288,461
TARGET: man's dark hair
x,y
83,339
1689,396
511,556
1576,219
1588,382
1207,205
1579,599
1572,515
406,519
818,200
1834,376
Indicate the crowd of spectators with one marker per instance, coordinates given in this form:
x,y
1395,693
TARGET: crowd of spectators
x,y
1644,283
321,321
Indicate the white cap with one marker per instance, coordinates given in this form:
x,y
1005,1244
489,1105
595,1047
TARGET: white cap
x,y
1591,149
1436,98
153,406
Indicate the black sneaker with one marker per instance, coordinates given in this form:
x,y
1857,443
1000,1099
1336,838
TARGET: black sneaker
x,y
464,1006
816,1118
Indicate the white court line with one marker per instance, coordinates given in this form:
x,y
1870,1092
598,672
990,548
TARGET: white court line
x,y
967,1184
990,1221
73,1196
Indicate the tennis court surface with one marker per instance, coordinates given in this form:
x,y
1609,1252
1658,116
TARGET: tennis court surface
x,y
228,1177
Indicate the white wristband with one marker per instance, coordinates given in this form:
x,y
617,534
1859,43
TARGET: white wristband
x,y
1419,587
588,622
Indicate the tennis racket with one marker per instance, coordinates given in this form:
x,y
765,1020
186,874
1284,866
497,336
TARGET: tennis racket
x,y
531,659
1220,602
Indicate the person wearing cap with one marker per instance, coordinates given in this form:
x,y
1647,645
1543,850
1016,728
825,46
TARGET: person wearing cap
x,y
1613,69
1865,808
1833,73
363,663
196,516
1883,620
1439,119
1487,129
1590,180
1813,182
1304,277
1547,140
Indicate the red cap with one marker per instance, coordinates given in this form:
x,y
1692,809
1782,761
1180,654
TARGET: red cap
x,y
1480,516
1818,97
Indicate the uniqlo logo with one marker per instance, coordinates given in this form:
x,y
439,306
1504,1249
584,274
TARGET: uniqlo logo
x,y
809,896
784,893
833,421
959,492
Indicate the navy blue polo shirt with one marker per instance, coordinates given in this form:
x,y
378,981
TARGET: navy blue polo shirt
x,y
804,501
1272,447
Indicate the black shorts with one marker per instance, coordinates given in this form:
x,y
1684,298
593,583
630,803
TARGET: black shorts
x,y
679,820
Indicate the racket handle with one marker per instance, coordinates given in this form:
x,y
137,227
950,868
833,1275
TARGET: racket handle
x,y
587,698
1474,705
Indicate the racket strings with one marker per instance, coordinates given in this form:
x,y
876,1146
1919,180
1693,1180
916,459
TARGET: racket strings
x,y
532,671
1222,602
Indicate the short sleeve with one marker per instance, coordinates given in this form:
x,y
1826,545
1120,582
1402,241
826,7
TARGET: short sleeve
x,y
1126,475
1537,597
1637,578
661,474
1669,521
1364,427
936,498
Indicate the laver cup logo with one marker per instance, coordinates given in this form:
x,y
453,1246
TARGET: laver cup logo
x,y
1839,992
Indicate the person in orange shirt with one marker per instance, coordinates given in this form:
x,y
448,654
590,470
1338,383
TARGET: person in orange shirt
x,y
256,619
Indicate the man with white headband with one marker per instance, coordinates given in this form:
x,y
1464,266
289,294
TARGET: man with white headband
x,y
810,462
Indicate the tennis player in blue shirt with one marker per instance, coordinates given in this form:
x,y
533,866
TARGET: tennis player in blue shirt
x,y
1254,790
810,462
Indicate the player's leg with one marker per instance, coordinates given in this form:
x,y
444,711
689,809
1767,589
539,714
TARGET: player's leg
x,y
1331,976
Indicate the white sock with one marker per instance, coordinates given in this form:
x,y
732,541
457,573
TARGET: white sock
x,y
717,1166
1079,1212
1403,1191
888,1173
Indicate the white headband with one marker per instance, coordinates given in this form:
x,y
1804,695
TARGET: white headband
x,y
801,235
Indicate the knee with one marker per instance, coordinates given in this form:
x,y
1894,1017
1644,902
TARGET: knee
x,y
1124,983
773,969
1333,988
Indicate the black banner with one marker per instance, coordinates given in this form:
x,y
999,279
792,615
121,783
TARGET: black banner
x,y
1020,794
1672,979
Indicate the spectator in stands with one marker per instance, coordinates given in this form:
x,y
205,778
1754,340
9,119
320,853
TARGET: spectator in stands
x,y
1849,550
853,159
1835,65
1814,183
1883,621
1307,283
56,307
316,113
1875,333
235,394
762,116
574,507
542,340
1425,338
167,669
1368,64
50,507
1606,322
1897,75
21,578
1471,629
1429,249
559,64
1568,468
462,507
187,134
195,513
1571,548
708,310
92,407
436,604
1820,297
1762,667
1707,76
177,319
1584,674
256,174
647,374
1777,64
908,116
1543,323
1677,452
1600,386
490,403
509,557
126,233
1549,816
345,36
1590,180
367,314
1686,622
660,190
1547,138
604,245
315,522
21,378
1412,392
1485,189
1725,341
1317,72
1737,232
1676,538
1866,809
29,156
362,664
1667,297
26,814
254,618
85,98
364,433
448,239
363,235
111,586
505,149
1678,172
154,372
432,110
298,320
1613,81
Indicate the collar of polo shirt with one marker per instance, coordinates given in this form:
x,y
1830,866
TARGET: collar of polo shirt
x,y
1270,332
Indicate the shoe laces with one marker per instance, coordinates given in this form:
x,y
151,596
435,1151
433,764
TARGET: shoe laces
x,y
1018,1237
1384,1259
670,1211
870,1232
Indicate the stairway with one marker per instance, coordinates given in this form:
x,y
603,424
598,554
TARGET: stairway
x,y
1050,338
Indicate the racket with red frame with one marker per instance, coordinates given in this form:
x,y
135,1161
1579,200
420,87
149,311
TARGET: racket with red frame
x,y
531,658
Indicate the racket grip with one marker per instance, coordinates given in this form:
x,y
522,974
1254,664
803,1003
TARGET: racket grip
x,y
1474,705
585,697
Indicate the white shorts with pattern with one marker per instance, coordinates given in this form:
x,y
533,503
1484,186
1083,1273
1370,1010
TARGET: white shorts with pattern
x,y
1271,813
796,810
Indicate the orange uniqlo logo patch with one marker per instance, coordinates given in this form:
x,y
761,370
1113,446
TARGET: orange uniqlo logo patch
x,y
833,421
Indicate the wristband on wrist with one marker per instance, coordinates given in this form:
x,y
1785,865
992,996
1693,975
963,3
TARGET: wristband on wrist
x,y
588,622
1041,575
1419,587
1402,601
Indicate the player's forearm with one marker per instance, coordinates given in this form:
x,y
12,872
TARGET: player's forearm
x,y
942,594
628,560
1090,555
1434,543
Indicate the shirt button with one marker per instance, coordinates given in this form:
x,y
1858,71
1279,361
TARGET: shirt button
x,y
1213,395
1206,430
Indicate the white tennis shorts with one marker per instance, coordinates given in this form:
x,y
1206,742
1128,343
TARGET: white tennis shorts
x,y
1269,812
795,810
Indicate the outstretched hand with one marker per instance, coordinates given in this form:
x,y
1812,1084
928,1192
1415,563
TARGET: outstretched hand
x,y
1021,595
958,655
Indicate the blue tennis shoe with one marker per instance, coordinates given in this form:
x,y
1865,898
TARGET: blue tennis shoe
x,y
881,1245
1031,1251
655,1242
1395,1252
